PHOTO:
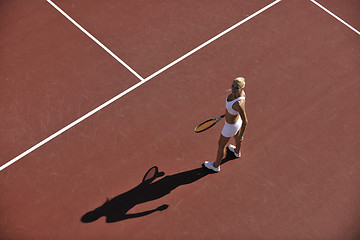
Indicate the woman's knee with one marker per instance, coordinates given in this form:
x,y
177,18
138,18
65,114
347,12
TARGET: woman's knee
x,y
222,141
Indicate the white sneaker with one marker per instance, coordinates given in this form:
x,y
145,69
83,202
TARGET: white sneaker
x,y
210,165
232,148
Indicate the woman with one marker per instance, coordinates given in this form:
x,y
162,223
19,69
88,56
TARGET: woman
x,y
235,123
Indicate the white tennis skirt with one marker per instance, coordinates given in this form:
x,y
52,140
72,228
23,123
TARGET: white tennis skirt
x,y
230,130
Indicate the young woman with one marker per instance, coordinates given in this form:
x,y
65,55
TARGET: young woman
x,y
235,123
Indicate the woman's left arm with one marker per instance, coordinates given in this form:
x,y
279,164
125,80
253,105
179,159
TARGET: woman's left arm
x,y
240,107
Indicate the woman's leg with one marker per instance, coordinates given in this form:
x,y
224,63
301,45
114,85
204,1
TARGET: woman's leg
x,y
221,149
237,142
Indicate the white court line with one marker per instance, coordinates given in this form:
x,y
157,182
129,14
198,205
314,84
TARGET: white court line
x,y
71,125
129,89
95,40
339,19
212,39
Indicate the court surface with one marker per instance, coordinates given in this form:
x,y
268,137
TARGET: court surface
x,y
94,93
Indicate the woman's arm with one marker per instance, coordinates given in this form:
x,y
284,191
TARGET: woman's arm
x,y
240,107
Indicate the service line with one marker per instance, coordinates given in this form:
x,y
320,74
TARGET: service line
x,y
339,19
96,41
131,70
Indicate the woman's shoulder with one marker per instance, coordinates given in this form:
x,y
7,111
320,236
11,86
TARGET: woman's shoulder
x,y
242,97
242,94
241,101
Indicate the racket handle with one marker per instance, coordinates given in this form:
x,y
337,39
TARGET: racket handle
x,y
219,118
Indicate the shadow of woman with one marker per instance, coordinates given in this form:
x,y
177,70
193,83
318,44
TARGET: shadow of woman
x,y
116,209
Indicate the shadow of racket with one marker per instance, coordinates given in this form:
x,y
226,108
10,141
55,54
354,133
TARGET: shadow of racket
x,y
152,174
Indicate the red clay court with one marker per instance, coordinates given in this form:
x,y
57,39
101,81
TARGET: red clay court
x,y
95,93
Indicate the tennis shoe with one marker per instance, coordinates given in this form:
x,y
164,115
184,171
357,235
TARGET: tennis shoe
x,y
210,165
232,148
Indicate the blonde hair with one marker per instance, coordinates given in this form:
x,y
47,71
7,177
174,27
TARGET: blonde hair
x,y
240,81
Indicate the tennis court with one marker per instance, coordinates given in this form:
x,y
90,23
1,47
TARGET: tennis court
x,y
95,93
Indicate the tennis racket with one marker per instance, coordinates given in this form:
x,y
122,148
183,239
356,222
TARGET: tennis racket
x,y
207,124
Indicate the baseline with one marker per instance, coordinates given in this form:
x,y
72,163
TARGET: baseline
x,y
70,125
212,39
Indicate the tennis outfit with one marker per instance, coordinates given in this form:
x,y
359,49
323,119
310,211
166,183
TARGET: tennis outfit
x,y
230,130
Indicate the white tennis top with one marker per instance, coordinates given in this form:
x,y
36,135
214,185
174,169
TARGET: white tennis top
x,y
231,103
